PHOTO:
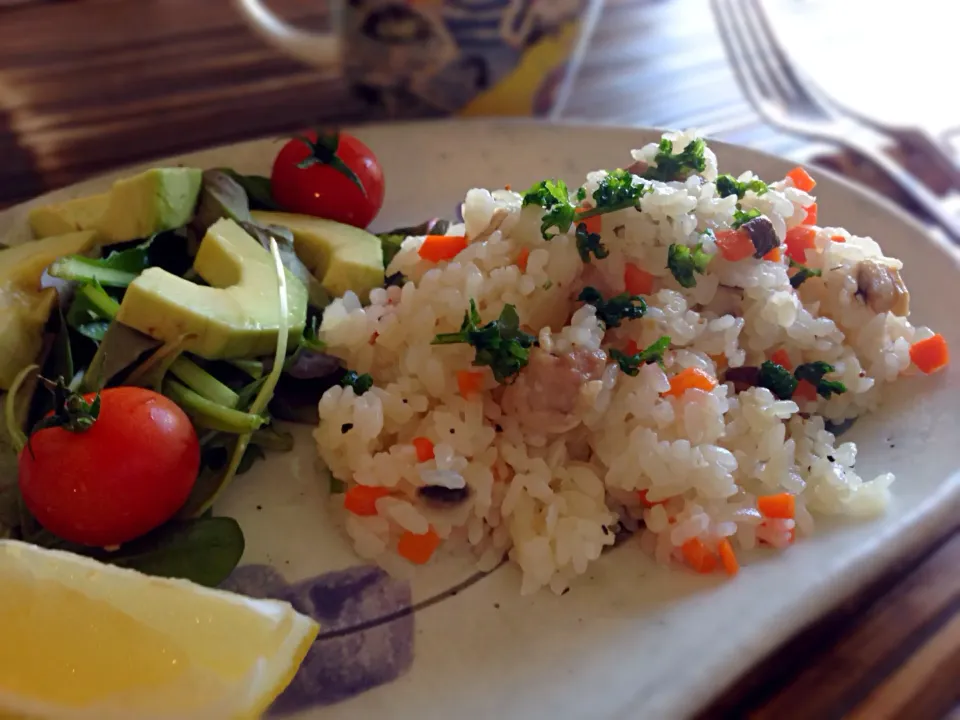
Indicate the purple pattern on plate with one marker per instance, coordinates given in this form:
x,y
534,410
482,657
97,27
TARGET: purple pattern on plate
x,y
341,666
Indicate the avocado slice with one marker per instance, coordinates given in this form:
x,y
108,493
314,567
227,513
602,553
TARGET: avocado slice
x,y
151,202
24,306
136,207
235,317
68,217
341,256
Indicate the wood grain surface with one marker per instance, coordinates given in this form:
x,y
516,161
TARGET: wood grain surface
x,y
87,85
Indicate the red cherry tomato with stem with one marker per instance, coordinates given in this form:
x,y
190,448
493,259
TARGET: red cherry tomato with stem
x,y
106,483
328,175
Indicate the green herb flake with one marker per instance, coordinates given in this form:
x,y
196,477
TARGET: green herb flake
x,y
618,190
553,197
804,273
677,166
777,379
588,242
728,185
813,373
620,307
500,344
359,383
744,216
630,364
684,261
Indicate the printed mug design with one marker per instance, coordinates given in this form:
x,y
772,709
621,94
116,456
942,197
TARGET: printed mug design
x,y
443,54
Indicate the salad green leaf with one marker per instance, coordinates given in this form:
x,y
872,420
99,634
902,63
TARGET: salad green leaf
x,y
257,187
118,269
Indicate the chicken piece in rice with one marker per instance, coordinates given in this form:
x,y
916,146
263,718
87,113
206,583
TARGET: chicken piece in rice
x,y
526,401
552,387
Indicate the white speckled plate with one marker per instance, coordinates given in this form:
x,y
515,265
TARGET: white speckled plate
x,y
630,639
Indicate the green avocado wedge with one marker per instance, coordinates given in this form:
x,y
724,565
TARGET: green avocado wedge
x,y
235,316
341,256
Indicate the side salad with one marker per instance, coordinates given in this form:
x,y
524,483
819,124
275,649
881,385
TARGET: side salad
x,y
157,335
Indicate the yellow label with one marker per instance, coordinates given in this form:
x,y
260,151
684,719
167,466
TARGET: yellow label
x,y
528,89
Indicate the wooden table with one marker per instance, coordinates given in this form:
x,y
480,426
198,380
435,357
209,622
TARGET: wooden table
x,y
87,85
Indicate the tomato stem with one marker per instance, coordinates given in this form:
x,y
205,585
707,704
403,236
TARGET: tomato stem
x,y
71,411
323,151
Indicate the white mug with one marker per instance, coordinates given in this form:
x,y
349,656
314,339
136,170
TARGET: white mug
x,y
471,56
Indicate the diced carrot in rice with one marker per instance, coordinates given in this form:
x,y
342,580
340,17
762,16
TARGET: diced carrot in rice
x,y
698,556
811,218
838,238
728,557
690,379
637,280
801,179
779,506
735,245
418,549
781,358
362,499
424,448
775,255
522,259
805,391
642,494
436,248
799,240
930,354
469,382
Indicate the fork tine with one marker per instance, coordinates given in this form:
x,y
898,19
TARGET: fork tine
x,y
781,65
740,46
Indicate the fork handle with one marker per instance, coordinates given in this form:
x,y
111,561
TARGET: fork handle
x,y
910,185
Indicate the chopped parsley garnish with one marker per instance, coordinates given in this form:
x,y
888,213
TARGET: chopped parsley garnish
x,y
359,383
684,261
677,166
617,191
553,197
728,185
630,364
588,242
813,373
501,345
620,307
581,194
743,216
777,379
803,275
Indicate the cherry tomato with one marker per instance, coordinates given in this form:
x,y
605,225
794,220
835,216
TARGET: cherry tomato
x,y
331,175
130,472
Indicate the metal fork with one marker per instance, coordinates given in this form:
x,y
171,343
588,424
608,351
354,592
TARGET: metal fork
x,y
773,87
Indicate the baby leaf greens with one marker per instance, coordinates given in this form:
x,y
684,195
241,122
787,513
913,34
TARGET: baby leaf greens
x,y
501,345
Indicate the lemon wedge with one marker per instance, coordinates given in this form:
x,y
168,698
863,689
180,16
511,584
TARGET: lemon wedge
x,y
86,640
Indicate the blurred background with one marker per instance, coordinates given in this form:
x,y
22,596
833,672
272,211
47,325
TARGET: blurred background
x,y
88,85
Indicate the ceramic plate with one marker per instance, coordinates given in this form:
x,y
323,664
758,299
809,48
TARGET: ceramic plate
x,y
630,639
